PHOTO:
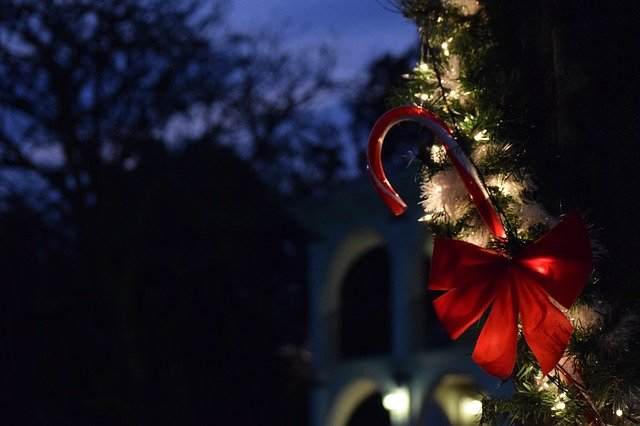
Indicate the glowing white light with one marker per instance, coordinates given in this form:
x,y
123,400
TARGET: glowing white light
x,y
542,380
510,188
619,412
438,154
397,403
481,136
396,400
423,67
470,408
445,48
426,218
560,405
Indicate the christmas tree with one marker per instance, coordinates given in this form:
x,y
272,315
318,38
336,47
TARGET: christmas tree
x,y
461,78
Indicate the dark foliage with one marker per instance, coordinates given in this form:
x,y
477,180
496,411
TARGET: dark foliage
x,y
150,278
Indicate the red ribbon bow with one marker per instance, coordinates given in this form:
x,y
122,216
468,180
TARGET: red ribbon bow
x,y
556,265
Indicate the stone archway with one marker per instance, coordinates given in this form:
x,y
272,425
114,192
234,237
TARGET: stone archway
x,y
350,248
347,251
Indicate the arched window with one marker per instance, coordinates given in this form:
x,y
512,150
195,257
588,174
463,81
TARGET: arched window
x,y
365,314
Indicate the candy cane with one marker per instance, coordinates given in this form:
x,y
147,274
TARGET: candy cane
x,y
465,168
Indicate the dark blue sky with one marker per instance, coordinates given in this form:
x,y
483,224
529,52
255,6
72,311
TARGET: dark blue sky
x,y
359,30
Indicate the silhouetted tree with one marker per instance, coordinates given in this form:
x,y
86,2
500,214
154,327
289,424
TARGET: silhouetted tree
x,y
276,109
148,274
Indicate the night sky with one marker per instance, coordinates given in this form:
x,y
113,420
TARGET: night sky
x,y
358,30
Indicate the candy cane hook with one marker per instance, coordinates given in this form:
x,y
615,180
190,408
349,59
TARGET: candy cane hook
x,y
465,168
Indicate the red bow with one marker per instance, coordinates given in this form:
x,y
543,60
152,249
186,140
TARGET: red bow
x,y
556,265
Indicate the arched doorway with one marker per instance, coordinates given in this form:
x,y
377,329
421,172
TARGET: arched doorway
x,y
370,412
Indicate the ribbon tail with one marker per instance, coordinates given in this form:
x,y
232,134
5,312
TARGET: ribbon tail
x,y
495,350
546,329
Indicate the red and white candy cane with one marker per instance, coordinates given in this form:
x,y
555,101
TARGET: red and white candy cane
x,y
465,168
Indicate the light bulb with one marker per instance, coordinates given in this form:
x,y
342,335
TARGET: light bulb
x,y
445,48
481,135
426,218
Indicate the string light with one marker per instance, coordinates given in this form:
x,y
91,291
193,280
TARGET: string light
x,y
426,218
445,48
506,185
438,154
560,404
542,381
619,412
481,136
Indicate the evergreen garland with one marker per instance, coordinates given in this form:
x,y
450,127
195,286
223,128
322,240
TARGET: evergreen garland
x,y
459,77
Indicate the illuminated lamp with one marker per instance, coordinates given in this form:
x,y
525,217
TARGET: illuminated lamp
x,y
397,403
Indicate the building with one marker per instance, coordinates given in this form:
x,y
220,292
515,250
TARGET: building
x,y
379,354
